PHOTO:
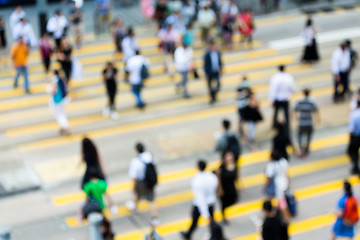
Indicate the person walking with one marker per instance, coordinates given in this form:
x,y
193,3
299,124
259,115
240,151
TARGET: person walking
x,y
23,28
15,17
228,142
347,214
282,86
57,26
3,41
46,50
118,34
273,226
161,12
213,69
354,144
134,68
310,54
207,20
305,109
203,186
110,78
281,140
76,19
64,56
91,157
129,45
354,56
19,55
228,178
341,66
183,61
246,26
138,173
102,15
57,102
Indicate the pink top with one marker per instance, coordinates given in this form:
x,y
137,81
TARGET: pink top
x,y
166,36
45,48
246,26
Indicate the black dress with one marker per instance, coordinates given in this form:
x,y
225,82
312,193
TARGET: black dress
x,y
228,179
66,64
3,42
251,114
111,85
311,52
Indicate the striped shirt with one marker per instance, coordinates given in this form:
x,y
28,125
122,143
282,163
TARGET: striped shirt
x,y
305,108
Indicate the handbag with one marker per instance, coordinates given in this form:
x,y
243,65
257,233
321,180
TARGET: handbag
x,y
91,206
270,189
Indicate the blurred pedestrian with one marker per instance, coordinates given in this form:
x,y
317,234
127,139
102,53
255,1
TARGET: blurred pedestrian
x,y
282,86
46,50
64,56
189,35
19,55
305,109
147,9
106,230
15,17
228,179
110,78
228,142
57,26
273,226
3,41
129,45
206,20
134,67
310,52
354,56
118,33
102,16
138,173
281,140
228,15
91,157
347,214
188,11
76,20
169,38
23,28
203,186
354,100
246,26
354,144
175,19
216,232
183,62
161,12
341,66
57,102
213,69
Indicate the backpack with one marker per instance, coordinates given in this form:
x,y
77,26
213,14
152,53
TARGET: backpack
x,y
351,214
233,145
150,174
144,72
92,205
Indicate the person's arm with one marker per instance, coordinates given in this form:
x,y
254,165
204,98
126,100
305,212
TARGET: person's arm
x,y
272,90
220,189
220,63
335,65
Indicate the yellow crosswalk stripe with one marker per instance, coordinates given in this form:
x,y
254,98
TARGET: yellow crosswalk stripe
x,y
250,181
241,209
247,159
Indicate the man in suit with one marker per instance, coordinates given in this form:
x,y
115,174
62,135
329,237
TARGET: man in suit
x,y
213,69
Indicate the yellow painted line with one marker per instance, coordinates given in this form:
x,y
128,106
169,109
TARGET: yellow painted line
x,y
250,181
239,210
340,10
246,159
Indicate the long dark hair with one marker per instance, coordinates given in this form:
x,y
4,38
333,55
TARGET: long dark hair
x,y
309,22
348,189
89,151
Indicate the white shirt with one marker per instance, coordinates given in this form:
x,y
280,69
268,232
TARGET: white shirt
x,y
129,46
354,122
183,58
133,66
279,171
15,18
206,17
204,186
137,165
282,86
26,31
340,61
309,35
56,25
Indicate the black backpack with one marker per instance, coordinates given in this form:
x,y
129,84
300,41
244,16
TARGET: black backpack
x,y
233,145
144,72
150,174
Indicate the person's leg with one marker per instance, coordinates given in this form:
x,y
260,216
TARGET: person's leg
x,y
184,84
25,73
308,139
251,131
136,90
353,151
195,219
286,113
112,93
60,115
218,83
336,92
211,90
276,111
345,82
300,133
17,75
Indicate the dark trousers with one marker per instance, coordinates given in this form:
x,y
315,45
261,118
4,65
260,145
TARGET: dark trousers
x,y
214,85
284,105
341,87
195,218
67,67
57,42
353,151
307,132
111,92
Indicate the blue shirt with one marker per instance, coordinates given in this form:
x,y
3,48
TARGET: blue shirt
x,y
340,228
102,6
214,61
354,122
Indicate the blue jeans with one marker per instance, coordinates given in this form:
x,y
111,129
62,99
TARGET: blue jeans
x,y
183,83
136,89
23,71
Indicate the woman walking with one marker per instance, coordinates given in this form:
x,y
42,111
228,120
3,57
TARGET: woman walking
x,y
64,56
310,52
110,80
228,177
58,92
46,50
92,160
246,26
118,32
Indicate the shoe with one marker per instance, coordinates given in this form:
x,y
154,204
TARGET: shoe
x,y
15,85
28,91
106,112
155,221
131,206
114,115
186,96
185,235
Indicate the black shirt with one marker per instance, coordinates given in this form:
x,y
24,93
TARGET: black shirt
x,y
272,228
76,11
110,74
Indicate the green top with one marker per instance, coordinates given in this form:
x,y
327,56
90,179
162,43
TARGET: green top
x,y
96,189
